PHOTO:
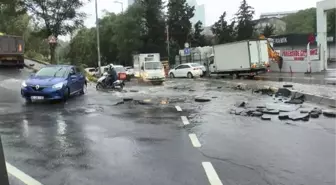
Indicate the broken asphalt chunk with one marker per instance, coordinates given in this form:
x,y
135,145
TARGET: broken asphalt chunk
x,y
295,101
299,116
127,99
314,115
238,111
265,117
202,99
287,85
240,104
257,114
283,92
283,116
329,113
268,111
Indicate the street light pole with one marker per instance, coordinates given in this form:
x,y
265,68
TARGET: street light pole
x,y
122,5
98,42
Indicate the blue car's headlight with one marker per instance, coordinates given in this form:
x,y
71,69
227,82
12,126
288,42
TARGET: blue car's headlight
x,y
58,85
23,84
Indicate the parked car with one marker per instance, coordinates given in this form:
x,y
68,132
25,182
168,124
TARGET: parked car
x,y
203,68
103,70
90,70
54,82
189,70
129,72
121,72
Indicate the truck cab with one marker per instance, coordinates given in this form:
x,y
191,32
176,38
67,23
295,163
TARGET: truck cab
x,y
151,68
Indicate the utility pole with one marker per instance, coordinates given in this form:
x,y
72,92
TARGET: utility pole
x,y
98,42
168,44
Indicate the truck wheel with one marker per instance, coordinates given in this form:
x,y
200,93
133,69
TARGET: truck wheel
x,y
189,75
235,76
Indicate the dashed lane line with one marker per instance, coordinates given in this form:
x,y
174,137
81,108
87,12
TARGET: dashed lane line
x,y
185,120
178,108
211,174
195,142
26,179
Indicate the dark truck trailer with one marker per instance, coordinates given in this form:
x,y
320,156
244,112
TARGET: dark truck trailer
x,y
11,51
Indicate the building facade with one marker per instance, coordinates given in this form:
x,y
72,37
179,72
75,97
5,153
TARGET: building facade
x,y
293,49
278,24
276,14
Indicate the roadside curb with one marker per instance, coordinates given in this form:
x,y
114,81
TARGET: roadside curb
x,y
38,61
331,102
29,67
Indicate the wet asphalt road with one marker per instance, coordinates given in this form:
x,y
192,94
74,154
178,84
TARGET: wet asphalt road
x,y
90,140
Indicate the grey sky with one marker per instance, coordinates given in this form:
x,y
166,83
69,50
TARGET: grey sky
x,y
213,8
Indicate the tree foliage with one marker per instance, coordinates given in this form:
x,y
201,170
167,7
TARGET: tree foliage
x,y
179,15
268,30
224,32
197,37
154,26
304,21
57,17
245,24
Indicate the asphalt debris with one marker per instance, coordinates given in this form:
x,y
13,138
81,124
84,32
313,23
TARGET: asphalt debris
x,y
266,117
283,92
200,99
329,113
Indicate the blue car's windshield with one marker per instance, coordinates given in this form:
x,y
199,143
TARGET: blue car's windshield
x,y
52,72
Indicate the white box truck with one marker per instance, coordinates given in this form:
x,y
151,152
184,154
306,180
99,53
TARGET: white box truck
x,y
148,67
243,58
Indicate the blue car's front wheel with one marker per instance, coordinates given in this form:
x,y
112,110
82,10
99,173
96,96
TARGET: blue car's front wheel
x,y
66,94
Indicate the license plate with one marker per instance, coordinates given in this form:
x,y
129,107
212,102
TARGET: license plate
x,y
37,97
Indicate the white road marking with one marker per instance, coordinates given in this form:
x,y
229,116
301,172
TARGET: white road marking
x,y
26,179
211,174
185,120
178,108
195,142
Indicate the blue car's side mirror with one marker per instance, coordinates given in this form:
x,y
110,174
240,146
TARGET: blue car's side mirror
x,y
73,76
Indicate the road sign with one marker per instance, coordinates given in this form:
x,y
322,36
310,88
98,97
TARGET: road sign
x,y
52,39
187,51
186,45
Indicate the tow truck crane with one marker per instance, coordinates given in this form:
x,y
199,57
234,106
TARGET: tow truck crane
x,y
272,54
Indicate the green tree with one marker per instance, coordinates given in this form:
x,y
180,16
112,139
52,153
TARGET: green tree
x,y
198,39
268,30
179,15
154,38
129,29
331,21
108,48
58,17
303,21
245,23
83,48
223,31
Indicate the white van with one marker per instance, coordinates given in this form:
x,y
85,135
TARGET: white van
x,y
149,68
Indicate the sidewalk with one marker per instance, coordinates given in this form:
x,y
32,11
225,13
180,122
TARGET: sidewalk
x,y
323,78
317,93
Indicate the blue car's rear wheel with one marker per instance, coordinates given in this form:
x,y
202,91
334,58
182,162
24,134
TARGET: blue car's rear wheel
x,y
84,89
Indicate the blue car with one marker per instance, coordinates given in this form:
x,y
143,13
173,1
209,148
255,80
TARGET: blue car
x,y
54,82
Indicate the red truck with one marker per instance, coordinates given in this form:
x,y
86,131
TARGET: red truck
x,y
11,51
